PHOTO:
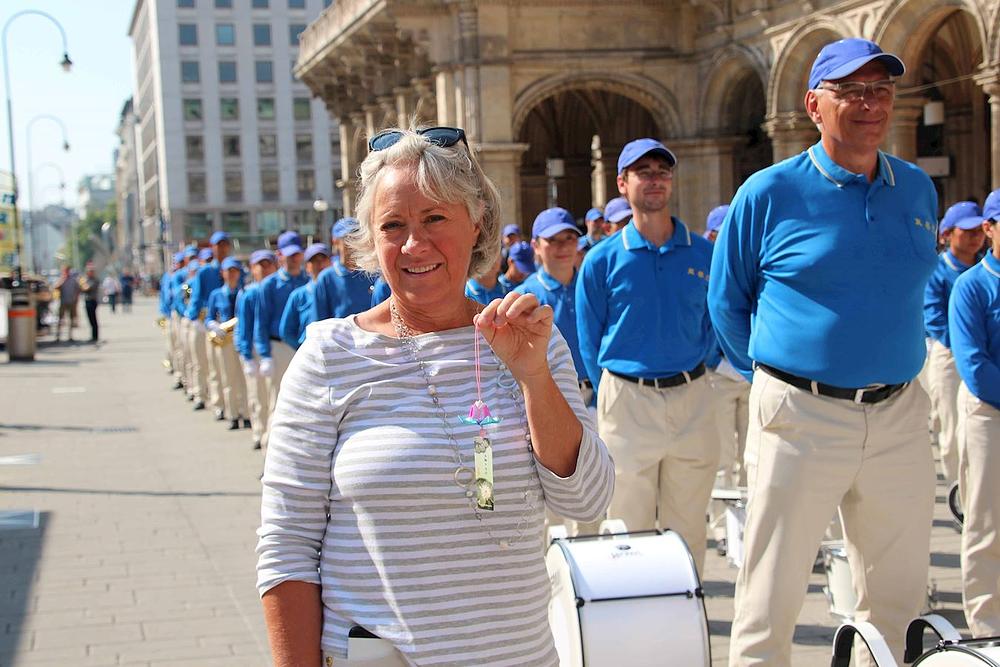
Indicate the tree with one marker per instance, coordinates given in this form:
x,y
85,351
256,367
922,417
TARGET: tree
x,y
88,239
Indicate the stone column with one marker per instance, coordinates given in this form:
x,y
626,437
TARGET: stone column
x,y
603,182
445,94
424,101
989,80
371,113
502,163
704,177
902,139
791,133
348,162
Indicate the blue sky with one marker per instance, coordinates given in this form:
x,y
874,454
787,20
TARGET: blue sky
x,y
88,99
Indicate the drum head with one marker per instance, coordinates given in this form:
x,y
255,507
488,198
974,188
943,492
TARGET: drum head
x,y
564,620
966,654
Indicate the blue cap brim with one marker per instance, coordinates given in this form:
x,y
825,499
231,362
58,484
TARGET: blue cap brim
x,y
893,65
619,216
556,228
291,249
972,222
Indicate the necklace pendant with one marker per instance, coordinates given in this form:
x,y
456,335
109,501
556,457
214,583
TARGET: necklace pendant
x,y
504,545
484,472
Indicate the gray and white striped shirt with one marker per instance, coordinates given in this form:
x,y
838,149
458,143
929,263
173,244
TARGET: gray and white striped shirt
x,y
359,497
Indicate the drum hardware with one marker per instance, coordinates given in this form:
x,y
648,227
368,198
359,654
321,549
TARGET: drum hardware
x,y
839,589
955,505
733,521
949,651
220,340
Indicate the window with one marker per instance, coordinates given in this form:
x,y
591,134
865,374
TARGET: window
x,y
270,188
259,4
305,183
261,34
267,145
303,148
263,71
227,71
194,146
190,73
236,222
197,225
294,30
301,108
327,3
225,34
296,4
229,108
265,108
196,188
223,4
304,221
230,145
183,4
187,34
234,188
192,109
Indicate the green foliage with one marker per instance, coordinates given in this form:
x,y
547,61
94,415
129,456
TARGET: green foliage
x,y
87,238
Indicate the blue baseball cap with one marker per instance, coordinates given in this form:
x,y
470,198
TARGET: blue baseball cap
x,y
205,254
231,263
991,208
190,251
343,227
289,238
523,257
511,229
258,256
846,56
219,237
193,266
583,243
715,218
317,249
964,215
551,221
178,257
640,148
617,210
593,214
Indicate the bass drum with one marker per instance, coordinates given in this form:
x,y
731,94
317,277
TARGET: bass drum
x,y
627,599
970,653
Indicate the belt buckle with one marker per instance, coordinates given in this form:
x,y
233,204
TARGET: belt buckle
x,y
859,396
645,382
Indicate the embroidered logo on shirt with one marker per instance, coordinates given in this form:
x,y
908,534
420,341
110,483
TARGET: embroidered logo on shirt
x,y
926,224
695,272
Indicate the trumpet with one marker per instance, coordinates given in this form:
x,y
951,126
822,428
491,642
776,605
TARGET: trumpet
x,y
222,339
186,289
161,322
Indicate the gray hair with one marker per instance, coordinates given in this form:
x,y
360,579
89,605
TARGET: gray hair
x,y
444,174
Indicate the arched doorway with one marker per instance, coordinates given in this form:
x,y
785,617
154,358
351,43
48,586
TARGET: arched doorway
x,y
746,108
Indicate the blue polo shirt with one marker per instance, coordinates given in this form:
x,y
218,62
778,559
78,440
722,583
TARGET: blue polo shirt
x,y
640,309
380,291
474,290
300,311
562,298
340,292
936,296
208,278
177,289
974,325
821,274
274,293
221,304
166,294
246,311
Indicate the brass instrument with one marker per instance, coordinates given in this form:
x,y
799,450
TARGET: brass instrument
x,y
186,289
221,340
161,322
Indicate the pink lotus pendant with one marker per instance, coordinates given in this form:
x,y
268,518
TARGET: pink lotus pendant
x,y
479,414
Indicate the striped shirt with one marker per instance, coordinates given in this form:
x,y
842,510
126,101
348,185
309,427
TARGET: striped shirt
x,y
359,496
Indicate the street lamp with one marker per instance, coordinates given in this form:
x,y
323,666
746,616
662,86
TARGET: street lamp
x,y
33,230
321,206
29,219
66,64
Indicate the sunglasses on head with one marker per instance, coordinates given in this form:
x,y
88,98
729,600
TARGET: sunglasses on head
x,y
439,136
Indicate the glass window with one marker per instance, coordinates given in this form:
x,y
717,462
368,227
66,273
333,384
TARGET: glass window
x,y
227,71
196,189
236,222
259,4
187,34
197,225
303,148
301,108
296,4
190,72
234,188
264,71
262,34
270,222
265,108
185,3
229,108
294,30
268,145
231,145
270,187
223,4
194,146
305,183
225,34
192,109
304,221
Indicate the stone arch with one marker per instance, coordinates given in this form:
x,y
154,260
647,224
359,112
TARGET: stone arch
x,y
993,39
906,26
786,88
729,67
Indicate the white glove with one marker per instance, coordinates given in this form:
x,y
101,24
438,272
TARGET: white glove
x,y
250,367
199,325
266,367
214,327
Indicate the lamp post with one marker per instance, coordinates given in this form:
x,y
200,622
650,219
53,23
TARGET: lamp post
x,y
29,219
321,206
33,230
66,64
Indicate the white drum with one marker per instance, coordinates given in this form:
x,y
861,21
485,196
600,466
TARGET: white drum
x,y
736,521
951,650
839,589
628,599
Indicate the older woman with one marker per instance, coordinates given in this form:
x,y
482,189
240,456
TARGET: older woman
x,y
416,446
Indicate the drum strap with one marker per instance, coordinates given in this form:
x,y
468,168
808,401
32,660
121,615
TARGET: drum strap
x,y
843,641
945,631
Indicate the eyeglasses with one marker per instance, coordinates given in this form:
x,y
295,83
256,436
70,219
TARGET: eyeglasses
x,y
654,174
852,92
439,136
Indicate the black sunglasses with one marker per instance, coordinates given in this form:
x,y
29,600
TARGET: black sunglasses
x,y
439,136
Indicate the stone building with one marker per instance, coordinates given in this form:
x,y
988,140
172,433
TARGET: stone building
x,y
720,81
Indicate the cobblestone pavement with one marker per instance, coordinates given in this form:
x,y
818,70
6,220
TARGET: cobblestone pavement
x,y
143,552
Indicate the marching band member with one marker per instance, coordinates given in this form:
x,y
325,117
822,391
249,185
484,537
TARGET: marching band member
x,y
300,309
617,214
222,308
486,287
341,289
262,264
595,229
182,294
208,278
166,308
974,328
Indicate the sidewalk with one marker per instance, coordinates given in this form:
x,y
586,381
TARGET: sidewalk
x,y
144,550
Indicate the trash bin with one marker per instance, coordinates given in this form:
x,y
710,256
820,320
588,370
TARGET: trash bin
x,y
21,331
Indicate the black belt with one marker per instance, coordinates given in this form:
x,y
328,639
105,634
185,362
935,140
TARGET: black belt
x,y
860,395
277,338
665,382
586,384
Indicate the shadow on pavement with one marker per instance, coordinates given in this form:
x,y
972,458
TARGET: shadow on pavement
x,y
20,553
73,429
150,494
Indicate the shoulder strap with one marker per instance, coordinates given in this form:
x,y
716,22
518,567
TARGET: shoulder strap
x,y
843,641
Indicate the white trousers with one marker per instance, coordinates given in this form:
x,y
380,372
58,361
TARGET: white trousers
x,y
805,455
234,388
216,396
281,355
943,380
666,451
197,360
178,358
257,405
979,466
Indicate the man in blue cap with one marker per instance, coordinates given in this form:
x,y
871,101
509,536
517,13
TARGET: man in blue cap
x,y
262,264
166,297
221,309
274,353
714,221
974,330
617,214
341,289
595,228
300,309
962,230
817,296
520,265
644,334
181,297
487,287
205,376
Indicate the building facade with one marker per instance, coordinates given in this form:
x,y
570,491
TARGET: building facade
x,y
721,82
226,137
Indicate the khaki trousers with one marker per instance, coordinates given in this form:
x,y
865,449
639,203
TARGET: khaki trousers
x,y
979,466
216,398
234,388
805,455
178,358
257,404
666,451
197,360
732,418
281,355
943,380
